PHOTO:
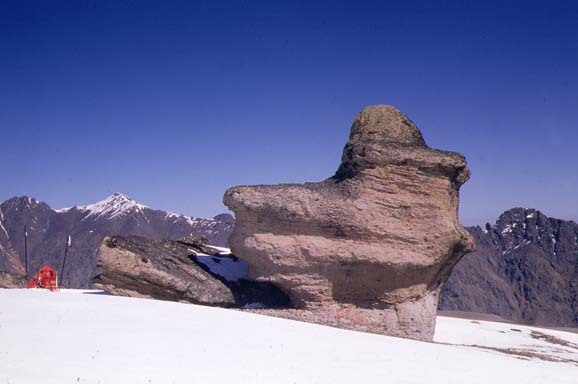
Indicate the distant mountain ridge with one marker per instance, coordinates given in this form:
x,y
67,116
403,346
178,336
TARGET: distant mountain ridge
x,y
524,268
48,231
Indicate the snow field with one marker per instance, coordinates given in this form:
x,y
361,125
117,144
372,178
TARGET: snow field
x,y
82,337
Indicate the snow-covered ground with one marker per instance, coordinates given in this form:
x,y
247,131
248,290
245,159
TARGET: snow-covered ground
x,y
521,341
83,337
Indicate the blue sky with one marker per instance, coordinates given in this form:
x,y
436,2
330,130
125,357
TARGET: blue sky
x,y
171,102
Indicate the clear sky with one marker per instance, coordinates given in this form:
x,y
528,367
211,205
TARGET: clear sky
x,y
171,102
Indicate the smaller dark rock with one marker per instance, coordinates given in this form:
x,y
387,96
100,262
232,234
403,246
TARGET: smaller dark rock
x,y
171,270
160,269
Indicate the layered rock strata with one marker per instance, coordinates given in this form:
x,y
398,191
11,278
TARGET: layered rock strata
x,y
370,247
186,270
137,267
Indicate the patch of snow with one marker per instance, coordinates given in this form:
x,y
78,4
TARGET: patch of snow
x,y
229,268
93,338
195,221
507,336
507,229
171,214
530,216
2,226
192,221
223,250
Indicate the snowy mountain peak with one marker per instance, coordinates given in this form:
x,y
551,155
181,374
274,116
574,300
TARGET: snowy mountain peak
x,y
115,205
23,201
119,197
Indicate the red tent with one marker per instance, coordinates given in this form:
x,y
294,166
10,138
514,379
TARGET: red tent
x,y
45,278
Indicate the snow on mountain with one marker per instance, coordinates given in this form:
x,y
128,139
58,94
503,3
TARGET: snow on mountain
x,y
523,269
83,337
117,215
1,226
119,204
113,206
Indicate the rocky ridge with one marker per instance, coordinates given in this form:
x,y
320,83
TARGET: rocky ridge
x,y
371,245
524,269
88,225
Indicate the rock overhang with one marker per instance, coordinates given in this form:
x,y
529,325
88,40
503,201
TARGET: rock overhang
x,y
389,213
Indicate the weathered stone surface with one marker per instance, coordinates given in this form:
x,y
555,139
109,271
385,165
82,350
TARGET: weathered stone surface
x,y
186,270
138,267
381,235
10,280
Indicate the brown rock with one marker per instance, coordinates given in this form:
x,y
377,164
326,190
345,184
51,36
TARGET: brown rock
x,y
138,267
185,270
380,236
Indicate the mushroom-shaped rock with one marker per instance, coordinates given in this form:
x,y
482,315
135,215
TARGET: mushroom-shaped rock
x,y
370,247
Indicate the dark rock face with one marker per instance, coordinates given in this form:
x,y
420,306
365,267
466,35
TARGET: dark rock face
x,y
179,271
524,268
374,243
48,231
137,267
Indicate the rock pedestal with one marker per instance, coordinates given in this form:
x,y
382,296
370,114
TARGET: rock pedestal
x,y
368,248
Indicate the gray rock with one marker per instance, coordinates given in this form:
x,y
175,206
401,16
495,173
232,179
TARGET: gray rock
x,y
137,267
185,270
524,269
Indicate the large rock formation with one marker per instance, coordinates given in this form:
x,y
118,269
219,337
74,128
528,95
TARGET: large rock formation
x,y
370,247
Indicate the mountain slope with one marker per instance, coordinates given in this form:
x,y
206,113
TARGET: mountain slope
x,y
91,338
48,231
525,269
